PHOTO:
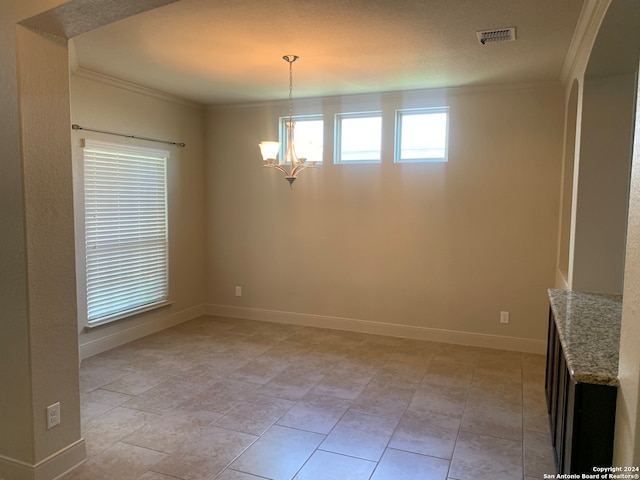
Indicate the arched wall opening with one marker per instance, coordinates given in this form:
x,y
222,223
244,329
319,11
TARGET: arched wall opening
x,y
607,210
567,186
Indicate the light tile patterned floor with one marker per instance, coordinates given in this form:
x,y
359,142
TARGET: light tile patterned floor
x,y
229,399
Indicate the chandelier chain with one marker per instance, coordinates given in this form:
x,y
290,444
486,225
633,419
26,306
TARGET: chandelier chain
x,y
290,165
290,91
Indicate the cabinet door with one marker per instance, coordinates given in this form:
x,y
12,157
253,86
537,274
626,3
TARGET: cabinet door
x,y
562,381
567,464
593,427
557,363
550,372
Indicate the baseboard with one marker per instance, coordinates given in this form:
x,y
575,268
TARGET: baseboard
x,y
379,328
50,468
126,335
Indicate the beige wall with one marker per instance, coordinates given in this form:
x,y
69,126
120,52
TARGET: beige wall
x,y
568,159
16,394
602,183
27,332
115,106
615,54
427,250
38,357
628,408
39,342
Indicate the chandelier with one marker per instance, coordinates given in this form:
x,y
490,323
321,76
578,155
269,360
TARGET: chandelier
x,y
290,165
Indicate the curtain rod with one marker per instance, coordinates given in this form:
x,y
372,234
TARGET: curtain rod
x,y
75,126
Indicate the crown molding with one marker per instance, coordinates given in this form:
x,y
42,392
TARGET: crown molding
x,y
132,87
415,96
584,36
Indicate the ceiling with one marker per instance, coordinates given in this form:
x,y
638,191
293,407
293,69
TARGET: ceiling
x,y
229,51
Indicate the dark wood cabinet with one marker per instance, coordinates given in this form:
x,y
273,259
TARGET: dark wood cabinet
x,y
581,415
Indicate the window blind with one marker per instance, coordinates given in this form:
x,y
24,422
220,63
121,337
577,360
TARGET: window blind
x,y
126,241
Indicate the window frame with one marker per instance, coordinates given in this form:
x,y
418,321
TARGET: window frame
x,y
400,114
155,231
339,117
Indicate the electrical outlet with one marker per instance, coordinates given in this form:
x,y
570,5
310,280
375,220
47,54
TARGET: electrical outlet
x,y
238,291
504,317
53,415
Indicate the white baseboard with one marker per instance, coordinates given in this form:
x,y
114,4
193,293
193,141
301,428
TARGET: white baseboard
x,y
379,328
94,346
50,468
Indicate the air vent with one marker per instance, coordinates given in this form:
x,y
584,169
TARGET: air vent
x,y
498,35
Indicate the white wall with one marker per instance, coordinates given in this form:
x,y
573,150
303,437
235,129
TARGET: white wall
x,y
432,250
104,104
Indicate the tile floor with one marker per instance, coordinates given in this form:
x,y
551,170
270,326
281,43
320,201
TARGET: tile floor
x,y
228,399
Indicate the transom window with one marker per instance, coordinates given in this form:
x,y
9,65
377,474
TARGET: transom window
x,y
358,137
308,136
421,135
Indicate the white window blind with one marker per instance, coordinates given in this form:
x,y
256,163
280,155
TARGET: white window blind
x,y
126,239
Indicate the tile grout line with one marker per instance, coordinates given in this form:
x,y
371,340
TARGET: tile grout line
x,y
253,354
464,410
522,400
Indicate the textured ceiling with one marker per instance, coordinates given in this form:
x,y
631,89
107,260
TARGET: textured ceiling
x,y
80,16
224,51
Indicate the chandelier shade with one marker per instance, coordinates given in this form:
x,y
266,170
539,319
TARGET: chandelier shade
x,y
269,150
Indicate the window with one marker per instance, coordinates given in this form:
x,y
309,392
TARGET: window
x,y
421,135
308,136
358,137
126,244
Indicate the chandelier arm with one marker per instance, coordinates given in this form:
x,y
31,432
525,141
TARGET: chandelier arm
x,y
300,168
282,169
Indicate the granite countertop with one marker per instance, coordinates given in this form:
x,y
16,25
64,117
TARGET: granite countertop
x,y
589,330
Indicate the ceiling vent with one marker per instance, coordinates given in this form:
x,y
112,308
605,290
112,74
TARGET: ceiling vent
x,y
498,35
